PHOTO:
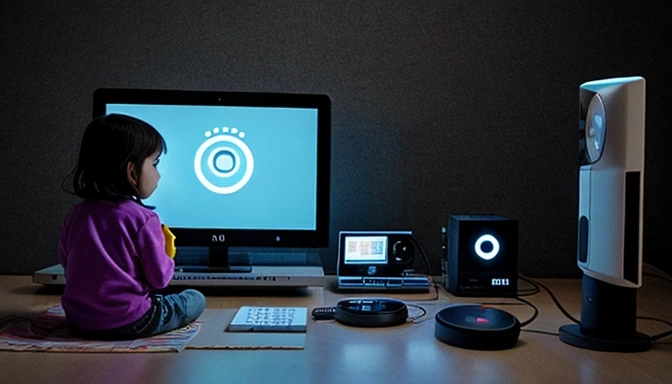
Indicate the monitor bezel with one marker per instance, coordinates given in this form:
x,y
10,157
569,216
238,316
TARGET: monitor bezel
x,y
229,237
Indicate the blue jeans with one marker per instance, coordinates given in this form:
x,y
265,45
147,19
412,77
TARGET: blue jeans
x,y
167,313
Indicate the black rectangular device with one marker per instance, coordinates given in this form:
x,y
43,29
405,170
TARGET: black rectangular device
x,y
378,260
480,256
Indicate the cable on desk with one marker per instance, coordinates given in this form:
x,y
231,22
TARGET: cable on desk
x,y
422,314
655,319
436,292
555,300
534,316
664,278
669,280
529,291
661,335
569,316
542,332
524,302
424,255
429,267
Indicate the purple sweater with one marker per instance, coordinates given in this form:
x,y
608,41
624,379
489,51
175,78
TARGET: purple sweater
x,y
114,256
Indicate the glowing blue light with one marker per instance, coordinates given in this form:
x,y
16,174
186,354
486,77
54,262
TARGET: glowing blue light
x,y
224,160
598,120
479,250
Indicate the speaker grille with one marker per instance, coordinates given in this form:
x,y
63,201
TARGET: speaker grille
x,y
631,230
583,239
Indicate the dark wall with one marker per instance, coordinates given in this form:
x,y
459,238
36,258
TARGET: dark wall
x,y
439,107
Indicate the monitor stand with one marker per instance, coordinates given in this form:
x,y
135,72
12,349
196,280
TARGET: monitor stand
x,y
218,262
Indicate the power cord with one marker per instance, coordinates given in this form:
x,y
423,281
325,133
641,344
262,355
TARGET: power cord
x,y
534,316
524,302
555,300
661,335
664,278
562,309
532,291
422,310
529,291
429,269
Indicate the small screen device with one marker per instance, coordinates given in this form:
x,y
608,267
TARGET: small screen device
x,y
378,260
371,312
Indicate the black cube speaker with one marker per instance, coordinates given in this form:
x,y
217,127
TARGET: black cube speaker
x,y
481,256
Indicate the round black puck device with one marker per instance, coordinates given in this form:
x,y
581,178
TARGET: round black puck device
x,y
473,326
371,312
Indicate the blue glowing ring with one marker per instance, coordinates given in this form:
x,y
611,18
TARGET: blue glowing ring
x,y
486,255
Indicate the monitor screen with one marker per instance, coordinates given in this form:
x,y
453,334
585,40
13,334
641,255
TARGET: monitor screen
x,y
242,169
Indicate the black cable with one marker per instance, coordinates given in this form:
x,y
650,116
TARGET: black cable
x,y
562,309
423,320
664,278
534,316
436,290
493,303
555,300
424,255
436,293
429,268
664,274
529,291
661,335
524,302
667,333
533,283
655,319
423,310
542,332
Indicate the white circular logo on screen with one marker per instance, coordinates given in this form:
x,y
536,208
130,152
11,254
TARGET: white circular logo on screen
x,y
224,163
478,247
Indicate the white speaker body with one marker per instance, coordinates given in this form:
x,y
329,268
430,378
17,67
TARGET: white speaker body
x,y
611,180
611,190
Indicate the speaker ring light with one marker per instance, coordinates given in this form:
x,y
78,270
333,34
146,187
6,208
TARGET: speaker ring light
x,y
487,255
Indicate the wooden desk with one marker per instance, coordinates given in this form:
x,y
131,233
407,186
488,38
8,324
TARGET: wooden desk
x,y
338,354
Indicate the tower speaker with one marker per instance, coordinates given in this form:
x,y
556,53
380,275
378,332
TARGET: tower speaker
x,y
611,190
480,256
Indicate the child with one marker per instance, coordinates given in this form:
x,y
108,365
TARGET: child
x,y
111,244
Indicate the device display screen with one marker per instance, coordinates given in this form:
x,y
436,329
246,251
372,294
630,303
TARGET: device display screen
x,y
497,282
365,250
234,167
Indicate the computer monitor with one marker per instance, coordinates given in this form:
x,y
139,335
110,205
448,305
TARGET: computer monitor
x,y
242,169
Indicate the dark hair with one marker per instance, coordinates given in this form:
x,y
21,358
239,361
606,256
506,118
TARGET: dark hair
x,y
109,143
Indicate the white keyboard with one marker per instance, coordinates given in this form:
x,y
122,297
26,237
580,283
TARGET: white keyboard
x,y
269,319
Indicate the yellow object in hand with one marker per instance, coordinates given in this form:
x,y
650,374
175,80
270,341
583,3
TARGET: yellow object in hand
x,y
170,241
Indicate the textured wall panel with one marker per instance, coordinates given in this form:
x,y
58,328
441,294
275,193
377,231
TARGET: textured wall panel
x,y
439,107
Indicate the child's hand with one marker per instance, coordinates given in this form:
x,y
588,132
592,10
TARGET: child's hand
x,y
170,241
